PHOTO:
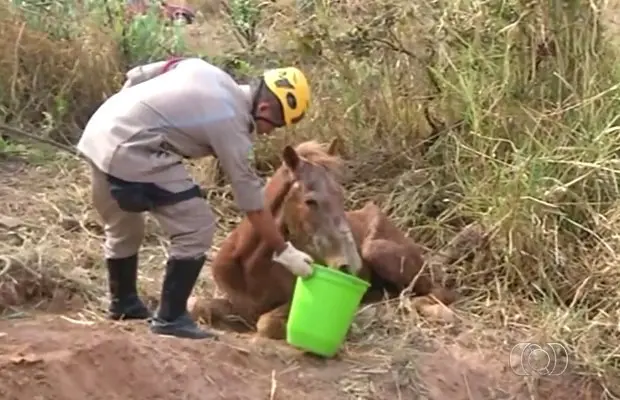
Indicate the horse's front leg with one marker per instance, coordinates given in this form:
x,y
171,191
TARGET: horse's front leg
x,y
221,313
272,324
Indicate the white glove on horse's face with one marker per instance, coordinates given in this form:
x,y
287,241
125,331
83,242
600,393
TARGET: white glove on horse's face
x,y
295,260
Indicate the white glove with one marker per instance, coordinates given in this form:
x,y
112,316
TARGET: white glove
x,y
295,260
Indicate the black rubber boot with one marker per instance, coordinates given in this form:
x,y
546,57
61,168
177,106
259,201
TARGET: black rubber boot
x,y
124,300
172,317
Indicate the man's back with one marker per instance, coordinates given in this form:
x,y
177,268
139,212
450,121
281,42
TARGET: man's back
x,y
145,128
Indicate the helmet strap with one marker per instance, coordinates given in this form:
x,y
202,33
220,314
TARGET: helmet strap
x,y
255,97
255,100
270,122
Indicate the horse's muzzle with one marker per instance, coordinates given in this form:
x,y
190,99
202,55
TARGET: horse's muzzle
x,y
346,269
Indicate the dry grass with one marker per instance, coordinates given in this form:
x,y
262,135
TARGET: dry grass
x,y
49,83
529,152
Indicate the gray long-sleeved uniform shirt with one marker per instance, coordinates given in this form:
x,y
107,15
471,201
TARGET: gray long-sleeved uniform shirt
x,y
192,110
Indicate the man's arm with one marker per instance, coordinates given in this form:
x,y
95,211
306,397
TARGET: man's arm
x,y
234,149
263,222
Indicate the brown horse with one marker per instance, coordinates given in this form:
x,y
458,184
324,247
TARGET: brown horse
x,y
307,201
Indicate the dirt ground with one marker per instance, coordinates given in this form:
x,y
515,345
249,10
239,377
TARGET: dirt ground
x,y
49,358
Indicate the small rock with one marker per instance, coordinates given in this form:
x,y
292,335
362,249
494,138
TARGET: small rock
x,y
27,359
69,224
437,312
11,238
10,222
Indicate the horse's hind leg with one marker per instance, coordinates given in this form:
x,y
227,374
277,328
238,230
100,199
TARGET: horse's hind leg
x,y
400,266
397,265
272,324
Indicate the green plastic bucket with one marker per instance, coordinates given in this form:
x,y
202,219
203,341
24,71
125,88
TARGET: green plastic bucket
x,y
322,310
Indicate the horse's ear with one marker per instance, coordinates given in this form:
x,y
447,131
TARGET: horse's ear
x,y
290,157
335,146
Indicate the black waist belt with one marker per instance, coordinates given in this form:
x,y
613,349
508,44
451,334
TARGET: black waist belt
x,y
144,196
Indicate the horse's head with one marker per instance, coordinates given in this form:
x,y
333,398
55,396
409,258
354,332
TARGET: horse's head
x,y
313,212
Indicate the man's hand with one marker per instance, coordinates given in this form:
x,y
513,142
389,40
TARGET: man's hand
x,y
295,260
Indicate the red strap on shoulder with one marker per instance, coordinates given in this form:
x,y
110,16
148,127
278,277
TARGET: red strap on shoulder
x,y
170,63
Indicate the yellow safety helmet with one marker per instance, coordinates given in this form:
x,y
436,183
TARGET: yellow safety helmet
x,y
291,88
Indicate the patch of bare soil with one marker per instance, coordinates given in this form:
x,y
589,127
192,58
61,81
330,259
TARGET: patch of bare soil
x,y
51,358
10,167
458,373
55,359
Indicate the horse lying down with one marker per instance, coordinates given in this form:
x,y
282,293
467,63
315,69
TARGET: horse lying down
x,y
307,201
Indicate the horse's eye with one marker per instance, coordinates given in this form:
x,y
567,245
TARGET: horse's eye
x,y
311,203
